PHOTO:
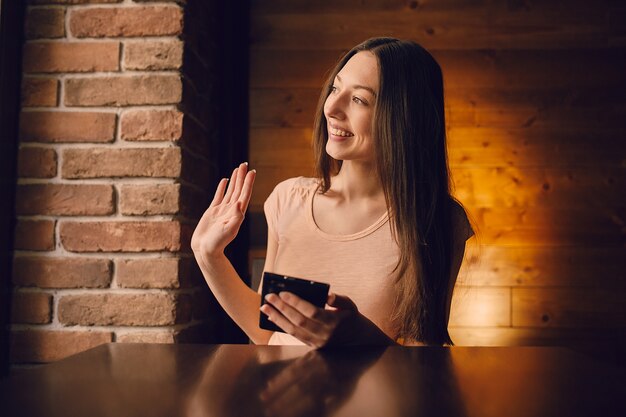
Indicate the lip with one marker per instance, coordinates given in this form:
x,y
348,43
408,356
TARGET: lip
x,y
337,138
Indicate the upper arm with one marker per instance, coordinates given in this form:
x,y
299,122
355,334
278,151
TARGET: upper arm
x,y
458,253
270,256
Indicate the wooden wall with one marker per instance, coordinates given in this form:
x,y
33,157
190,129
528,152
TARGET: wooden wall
x,y
536,110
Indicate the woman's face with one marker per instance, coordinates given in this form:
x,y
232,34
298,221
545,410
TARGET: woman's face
x,y
349,109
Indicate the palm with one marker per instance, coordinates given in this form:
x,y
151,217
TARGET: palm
x,y
221,221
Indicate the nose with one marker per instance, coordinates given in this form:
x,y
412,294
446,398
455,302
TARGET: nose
x,y
335,105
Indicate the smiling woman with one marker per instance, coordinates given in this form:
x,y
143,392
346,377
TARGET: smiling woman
x,y
378,222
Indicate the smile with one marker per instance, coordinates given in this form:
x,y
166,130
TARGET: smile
x,y
339,132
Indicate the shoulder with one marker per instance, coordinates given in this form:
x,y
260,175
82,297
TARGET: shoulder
x,y
298,186
460,220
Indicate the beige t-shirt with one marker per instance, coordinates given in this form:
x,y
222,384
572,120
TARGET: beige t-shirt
x,y
359,265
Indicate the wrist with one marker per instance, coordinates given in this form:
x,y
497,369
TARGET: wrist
x,y
205,258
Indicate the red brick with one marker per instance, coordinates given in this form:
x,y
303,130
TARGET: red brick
x,y
159,336
42,126
48,346
39,92
121,236
31,307
138,125
124,309
46,272
36,162
153,55
123,90
65,199
148,273
126,21
126,162
71,56
44,22
147,200
35,235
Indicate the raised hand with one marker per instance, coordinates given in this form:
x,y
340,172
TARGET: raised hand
x,y
220,223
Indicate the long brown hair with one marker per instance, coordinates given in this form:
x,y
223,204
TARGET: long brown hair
x,y
410,143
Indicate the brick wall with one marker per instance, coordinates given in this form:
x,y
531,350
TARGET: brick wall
x,y
117,149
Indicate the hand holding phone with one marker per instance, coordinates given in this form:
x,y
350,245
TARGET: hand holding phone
x,y
314,292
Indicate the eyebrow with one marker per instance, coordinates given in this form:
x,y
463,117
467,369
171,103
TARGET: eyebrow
x,y
362,87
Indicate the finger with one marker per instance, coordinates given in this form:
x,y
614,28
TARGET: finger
x,y
285,324
231,185
299,304
301,319
219,192
241,175
246,193
341,302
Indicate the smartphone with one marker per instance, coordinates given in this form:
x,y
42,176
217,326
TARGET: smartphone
x,y
314,292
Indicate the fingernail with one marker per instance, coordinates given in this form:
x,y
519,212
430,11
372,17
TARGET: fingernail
x,y
245,163
254,170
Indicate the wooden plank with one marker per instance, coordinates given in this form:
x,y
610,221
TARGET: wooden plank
x,y
512,226
525,336
571,267
540,267
602,344
569,307
525,116
475,306
281,147
284,108
470,147
544,187
268,177
539,226
536,146
475,185
351,6
296,108
469,28
575,68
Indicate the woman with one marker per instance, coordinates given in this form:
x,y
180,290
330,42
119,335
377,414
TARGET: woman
x,y
378,224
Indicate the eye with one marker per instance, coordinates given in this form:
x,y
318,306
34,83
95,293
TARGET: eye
x,y
359,100
333,89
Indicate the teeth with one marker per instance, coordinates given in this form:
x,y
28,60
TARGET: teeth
x,y
338,132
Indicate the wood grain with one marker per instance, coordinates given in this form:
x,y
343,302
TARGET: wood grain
x,y
529,69
460,28
568,307
521,266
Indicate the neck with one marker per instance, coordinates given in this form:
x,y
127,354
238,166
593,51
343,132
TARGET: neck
x,y
357,181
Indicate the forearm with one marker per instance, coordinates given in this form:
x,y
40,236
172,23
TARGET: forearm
x,y
239,301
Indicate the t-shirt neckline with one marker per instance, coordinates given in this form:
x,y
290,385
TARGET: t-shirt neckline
x,y
353,236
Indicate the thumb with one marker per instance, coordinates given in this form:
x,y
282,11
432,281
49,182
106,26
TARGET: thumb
x,y
341,302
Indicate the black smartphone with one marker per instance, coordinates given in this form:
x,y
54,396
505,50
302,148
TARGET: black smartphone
x,y
314,292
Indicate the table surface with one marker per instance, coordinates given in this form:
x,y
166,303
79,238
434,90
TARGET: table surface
x,y
246,381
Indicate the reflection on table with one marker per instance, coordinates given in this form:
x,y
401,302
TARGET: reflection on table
x,y
246,380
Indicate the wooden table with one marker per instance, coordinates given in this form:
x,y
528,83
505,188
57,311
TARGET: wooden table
x,y
245,380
